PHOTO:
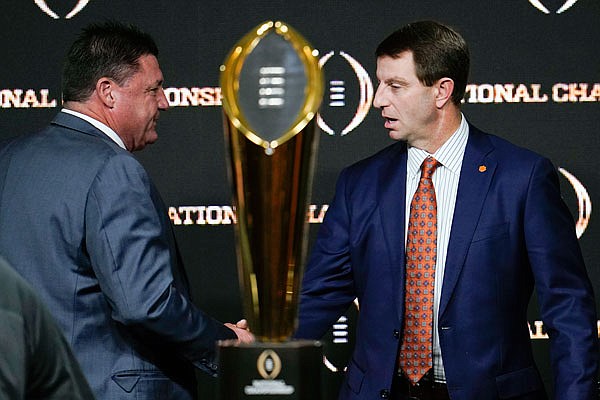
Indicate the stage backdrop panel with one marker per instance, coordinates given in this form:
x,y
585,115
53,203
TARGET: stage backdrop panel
x,y
535,80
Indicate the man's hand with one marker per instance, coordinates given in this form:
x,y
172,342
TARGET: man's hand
x,y
242,330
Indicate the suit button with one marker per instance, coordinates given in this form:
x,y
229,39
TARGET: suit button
x,y
384,394
396,333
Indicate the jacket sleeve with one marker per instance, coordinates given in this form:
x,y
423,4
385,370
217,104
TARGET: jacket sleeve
x,y
328,286
130,253
564,290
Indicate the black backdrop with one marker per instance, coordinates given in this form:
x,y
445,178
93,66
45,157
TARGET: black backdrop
x,y
548,51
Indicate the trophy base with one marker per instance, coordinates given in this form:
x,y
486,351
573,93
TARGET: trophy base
x,y
264,370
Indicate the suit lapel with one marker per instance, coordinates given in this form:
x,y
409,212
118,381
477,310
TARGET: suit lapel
x,y
475,178
391,195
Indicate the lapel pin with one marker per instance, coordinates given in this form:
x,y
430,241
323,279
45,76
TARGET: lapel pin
x,y
482,168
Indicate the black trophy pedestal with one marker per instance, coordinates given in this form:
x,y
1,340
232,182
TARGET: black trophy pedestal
x,y
262,370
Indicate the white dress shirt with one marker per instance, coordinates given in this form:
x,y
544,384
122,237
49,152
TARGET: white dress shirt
x,y
105,129
445,182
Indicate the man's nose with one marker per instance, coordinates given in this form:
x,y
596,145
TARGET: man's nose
x,y
379,99
163,103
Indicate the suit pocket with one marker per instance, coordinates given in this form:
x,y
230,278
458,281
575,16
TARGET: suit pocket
x,y
127,380
518,383
354,377
490,232
146,384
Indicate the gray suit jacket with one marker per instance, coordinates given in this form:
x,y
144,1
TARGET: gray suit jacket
x,y
35,359
82,222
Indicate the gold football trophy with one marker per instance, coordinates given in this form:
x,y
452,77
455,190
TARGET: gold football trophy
x,y
272,87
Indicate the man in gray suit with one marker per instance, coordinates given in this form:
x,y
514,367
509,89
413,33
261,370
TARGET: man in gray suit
x,y
81,221
35,359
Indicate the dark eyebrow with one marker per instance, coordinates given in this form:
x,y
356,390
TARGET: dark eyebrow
x,y
396,80
157,83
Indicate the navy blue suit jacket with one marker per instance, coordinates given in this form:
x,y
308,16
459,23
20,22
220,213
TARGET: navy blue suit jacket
x,y
82,222
510,230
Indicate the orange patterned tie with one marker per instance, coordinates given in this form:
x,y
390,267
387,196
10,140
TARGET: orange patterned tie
x,y
421,245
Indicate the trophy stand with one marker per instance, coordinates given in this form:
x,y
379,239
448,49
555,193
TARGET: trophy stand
x,y
286,370
272,87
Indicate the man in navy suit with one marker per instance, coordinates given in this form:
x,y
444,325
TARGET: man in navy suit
x,y
502,229
81,220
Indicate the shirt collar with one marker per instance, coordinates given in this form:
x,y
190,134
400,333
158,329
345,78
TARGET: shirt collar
x,y
449,155
99,125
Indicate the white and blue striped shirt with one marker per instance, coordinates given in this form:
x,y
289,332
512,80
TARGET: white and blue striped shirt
x,y
445,181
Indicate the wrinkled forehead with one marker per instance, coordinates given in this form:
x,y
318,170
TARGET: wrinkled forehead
x,y
149,72
400,66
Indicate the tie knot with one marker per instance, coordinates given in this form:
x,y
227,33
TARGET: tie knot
x,y
428,167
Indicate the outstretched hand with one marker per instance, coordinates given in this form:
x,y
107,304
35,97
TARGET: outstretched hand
x,y
242,330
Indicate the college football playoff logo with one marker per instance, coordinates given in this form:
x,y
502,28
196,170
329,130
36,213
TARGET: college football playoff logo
x,y
356,99
76,9
268,364
584,202
566,5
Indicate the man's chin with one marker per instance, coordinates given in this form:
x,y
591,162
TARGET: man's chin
x,y
395,135
151,138
142,145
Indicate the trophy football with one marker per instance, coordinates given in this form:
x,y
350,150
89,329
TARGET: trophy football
x,y
272,87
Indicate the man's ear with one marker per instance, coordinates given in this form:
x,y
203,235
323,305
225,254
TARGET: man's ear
x,y
104,90
443,94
